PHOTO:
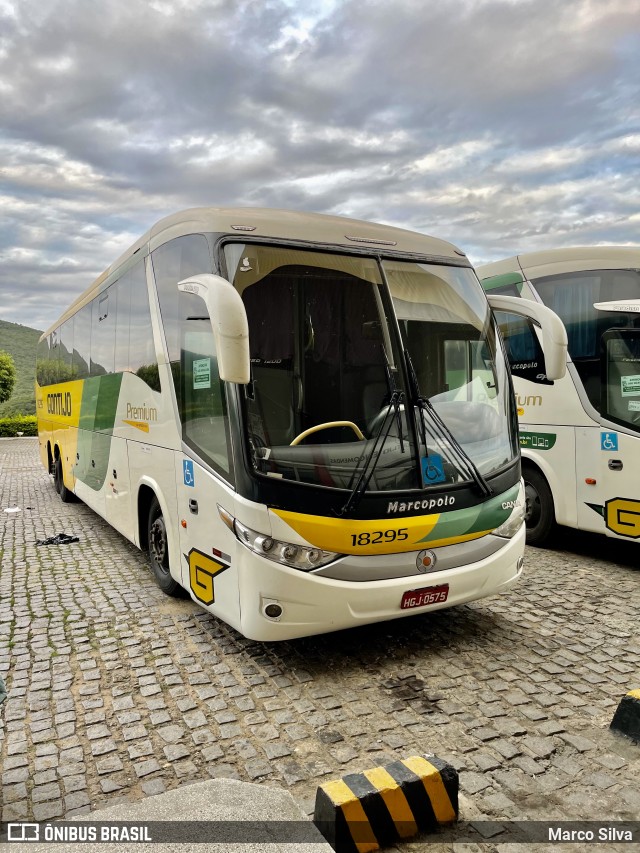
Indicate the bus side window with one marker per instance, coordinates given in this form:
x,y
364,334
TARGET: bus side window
x,y
103,333
54,356
621,376
66,351
82,342
142,351
203,409
122,290
43,374
172,262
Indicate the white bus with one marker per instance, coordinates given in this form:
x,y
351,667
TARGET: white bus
x,y
307,421
580,436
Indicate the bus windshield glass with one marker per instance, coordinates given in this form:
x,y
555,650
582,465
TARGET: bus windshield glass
x,y
453,343
323,367
328,399
572,296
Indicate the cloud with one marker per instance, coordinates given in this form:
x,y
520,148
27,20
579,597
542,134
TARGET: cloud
x,y
501,125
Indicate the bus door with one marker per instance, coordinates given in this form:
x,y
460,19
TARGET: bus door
x,y
118,488
204,471
615,496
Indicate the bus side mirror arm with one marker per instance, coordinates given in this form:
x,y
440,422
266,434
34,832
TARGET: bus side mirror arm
x,y
228,322
554,333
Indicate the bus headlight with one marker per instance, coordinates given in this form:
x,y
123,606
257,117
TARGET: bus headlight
x,y
286,553
510,527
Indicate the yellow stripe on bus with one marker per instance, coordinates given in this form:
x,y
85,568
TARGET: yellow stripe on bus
x,y
454,540
58,408
371,536
354,536
141,425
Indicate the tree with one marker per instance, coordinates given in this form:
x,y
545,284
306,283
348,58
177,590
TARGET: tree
x,y
7,376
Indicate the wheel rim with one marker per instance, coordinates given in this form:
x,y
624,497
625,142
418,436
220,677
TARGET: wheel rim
x,y
533,506
57,476
158,544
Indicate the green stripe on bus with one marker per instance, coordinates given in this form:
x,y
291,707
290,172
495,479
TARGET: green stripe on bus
x,y
482,517
505,280
97,418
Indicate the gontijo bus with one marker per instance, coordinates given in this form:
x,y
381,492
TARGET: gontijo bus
x,y
307,421
580,436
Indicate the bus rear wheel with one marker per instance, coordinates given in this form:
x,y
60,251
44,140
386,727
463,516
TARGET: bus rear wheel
x,y
66,495
540,517
158,545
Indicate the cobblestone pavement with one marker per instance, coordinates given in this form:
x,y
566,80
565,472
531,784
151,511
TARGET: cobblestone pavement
x,y
116,691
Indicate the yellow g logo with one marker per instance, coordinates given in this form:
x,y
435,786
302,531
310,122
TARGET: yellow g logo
x,y
623,517
202,570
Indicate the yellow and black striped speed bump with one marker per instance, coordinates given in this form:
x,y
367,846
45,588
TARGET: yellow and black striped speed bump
x,y
626,719
366,811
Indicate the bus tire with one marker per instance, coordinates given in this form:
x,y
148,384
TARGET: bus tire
x,y
540,516
66,495
158,546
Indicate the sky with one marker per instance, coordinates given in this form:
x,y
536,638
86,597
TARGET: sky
x,y
502,126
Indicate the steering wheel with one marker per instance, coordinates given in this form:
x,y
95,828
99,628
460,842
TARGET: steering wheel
x,y
327,425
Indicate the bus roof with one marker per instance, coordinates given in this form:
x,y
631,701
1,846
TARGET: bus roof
x,y
311,228
555,261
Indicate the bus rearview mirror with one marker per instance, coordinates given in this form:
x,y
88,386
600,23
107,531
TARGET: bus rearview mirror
x,y
228,321
554,334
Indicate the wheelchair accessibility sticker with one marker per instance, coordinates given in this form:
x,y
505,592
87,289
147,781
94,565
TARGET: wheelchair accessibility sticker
x,y
187,471
432,469
608,441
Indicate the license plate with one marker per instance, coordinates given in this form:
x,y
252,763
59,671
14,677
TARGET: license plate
x,y
426,595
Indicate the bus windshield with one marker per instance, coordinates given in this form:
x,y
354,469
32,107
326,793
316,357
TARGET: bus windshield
x,y
572,296
452,339
329,396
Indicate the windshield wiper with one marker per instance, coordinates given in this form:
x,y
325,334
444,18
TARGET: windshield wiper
x,y
396,398
441,433
371,460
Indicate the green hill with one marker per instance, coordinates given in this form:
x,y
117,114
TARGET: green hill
x,y
20,342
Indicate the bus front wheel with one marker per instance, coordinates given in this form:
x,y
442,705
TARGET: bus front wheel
x,y
158,545
540,517
66,495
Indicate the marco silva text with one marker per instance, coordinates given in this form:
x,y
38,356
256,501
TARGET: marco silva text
x,y
601,833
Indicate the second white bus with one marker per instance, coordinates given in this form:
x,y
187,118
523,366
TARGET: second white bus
x,y
579,436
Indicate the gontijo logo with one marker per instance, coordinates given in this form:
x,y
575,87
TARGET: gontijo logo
x,y
59,404
622,515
